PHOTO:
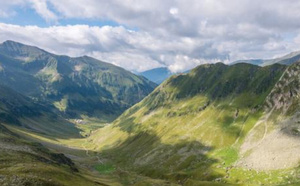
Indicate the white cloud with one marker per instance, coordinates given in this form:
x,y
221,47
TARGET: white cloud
x,y
175,33
133,50
183,63
41,7
112,44
173,11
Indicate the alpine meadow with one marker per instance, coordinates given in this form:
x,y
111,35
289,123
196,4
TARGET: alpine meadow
x,y
149,93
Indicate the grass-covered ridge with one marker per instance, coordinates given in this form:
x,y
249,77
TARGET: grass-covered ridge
x,y
191,127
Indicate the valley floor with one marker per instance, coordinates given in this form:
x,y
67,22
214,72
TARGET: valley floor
x,y
90,163
101,170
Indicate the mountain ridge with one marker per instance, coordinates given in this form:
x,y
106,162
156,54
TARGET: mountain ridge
x,y
66,82
191,128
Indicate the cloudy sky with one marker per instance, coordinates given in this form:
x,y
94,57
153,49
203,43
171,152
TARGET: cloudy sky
x,y
143,34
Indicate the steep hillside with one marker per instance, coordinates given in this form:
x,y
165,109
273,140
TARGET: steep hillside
x,y
193,127
76,86
21,111
28,163
157,75
24,161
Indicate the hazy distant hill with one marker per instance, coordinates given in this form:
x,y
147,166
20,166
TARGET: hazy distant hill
x,y
157,75
288,59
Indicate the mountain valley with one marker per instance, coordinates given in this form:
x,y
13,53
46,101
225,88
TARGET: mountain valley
x,y
217,124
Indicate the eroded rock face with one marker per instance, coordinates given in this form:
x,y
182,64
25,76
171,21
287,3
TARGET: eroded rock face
x,y
286,91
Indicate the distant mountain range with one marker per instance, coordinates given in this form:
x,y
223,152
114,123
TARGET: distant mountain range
x,y
285,60
157,75
81,86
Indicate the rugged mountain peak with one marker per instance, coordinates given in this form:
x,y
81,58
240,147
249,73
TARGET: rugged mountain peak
x,y
12,44
16,46
21,51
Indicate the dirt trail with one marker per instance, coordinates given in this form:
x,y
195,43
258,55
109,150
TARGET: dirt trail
x,y
251,140
83,145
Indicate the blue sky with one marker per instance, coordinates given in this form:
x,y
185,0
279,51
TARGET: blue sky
x,y
25,16
28,16
140,35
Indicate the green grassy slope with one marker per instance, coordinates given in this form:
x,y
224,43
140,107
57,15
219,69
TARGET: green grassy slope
x,y
28,163
76,86
91,164
190,129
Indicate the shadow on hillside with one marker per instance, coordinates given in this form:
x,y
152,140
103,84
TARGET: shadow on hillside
x,y
52,129
145,154
228,126
11,142
128,125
